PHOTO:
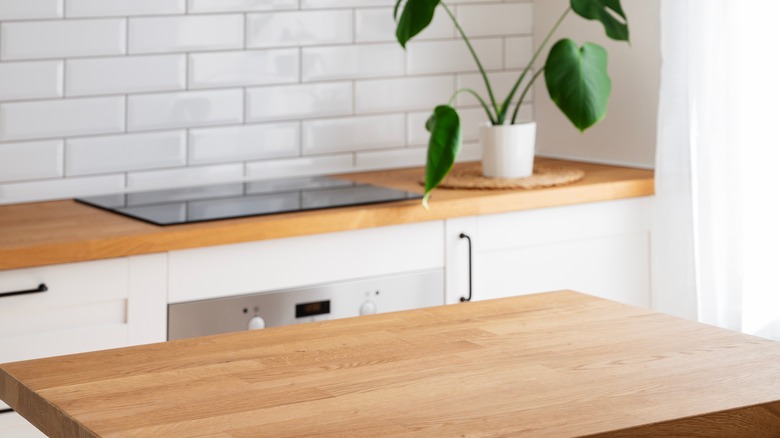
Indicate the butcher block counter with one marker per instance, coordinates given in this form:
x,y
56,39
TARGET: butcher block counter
x,y
559,364
45,233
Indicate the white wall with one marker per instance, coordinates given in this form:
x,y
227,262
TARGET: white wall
x,y
111,95
628,134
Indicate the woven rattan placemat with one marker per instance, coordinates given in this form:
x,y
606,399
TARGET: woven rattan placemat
x,y
470,177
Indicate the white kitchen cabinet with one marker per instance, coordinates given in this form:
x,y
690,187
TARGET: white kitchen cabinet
x,y
13,425
280,264
88,306
599,248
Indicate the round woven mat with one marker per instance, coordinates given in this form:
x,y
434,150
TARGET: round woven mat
x,y
470,177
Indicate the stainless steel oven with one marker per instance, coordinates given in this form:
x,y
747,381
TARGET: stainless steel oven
x,y
294,306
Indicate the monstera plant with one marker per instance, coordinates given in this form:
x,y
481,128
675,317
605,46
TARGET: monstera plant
x,y
576,77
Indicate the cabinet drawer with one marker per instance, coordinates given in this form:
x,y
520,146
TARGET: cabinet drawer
x,y
301,261
85,303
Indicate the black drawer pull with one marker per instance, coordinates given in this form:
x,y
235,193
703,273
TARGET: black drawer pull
x,y
471,282
5,411
41,288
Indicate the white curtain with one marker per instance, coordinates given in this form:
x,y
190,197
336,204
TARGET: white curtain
x,y
716,236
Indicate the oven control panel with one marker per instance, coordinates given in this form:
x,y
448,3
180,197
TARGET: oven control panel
x,y
316,303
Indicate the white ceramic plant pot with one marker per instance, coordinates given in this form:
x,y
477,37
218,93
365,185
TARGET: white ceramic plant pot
x,y
508,150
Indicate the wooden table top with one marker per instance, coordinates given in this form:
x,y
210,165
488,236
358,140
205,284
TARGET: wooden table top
x,y
46,233
559,364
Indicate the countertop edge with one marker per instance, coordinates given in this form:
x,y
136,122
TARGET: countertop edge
x,y
134,238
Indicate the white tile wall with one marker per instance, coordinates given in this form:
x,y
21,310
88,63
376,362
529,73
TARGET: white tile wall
x,y
250,67
61,118
299,101
244,143
31,160
110,95
30,80
120,153
302,28
60,39
129,74
114,8
30,9
185,109
199,6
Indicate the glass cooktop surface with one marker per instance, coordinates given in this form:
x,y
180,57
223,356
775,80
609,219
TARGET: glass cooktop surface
x,y
242,199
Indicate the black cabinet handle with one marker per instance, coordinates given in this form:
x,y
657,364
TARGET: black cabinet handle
x,y
41,288
465,299
5,411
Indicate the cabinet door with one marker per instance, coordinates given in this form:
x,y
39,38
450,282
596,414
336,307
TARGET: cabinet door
x,y
87,306
597,248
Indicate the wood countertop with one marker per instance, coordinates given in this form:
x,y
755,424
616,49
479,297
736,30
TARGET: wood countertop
x,y
45,233
560,364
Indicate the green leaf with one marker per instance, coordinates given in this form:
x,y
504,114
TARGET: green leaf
x,y
578,82
608,12
416,16
443,147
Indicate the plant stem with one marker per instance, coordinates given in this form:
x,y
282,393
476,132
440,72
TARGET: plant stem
x,y
479,98
476,59
525,92
502,113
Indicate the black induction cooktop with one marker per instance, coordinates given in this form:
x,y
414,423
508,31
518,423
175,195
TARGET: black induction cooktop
x,y
242,199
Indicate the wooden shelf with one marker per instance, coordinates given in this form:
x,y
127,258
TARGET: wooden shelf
x,y
45,233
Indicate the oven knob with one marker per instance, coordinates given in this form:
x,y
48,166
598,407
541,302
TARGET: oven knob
x,y
368,308
256,323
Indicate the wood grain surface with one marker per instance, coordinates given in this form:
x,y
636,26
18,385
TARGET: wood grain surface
x,y
559,364
45,233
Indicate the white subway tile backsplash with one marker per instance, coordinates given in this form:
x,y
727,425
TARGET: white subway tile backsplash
x,y
299,101
251,67
199,6
30,80
501,82
385,95
30,9
58,39
188,176
121,153
470,151
59,188
61,118
305,166
109,8
244,143
518,52
496,20
391,158
353,134
184,109
186,33
378,25
321,4
299,28
427,57
100,96
31,160
358,61
470,121
131,74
